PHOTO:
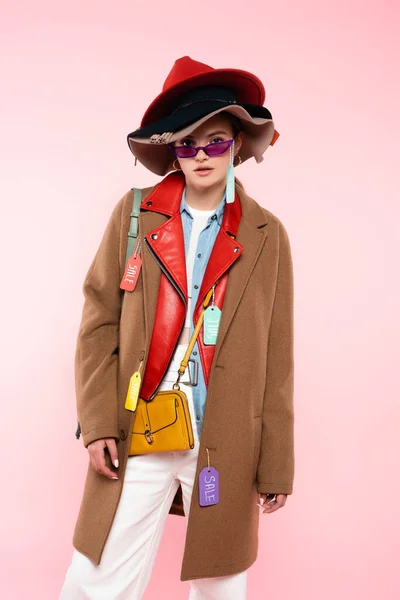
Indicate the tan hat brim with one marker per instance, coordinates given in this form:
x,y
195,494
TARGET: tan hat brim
x,y
154,155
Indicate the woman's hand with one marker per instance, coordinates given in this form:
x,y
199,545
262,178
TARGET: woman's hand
x,y
270,505
97,456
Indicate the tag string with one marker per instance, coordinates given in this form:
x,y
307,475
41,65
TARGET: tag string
x,y
208,459
137,249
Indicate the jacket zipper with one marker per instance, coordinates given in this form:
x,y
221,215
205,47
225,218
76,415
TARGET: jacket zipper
x,y
164,270
168,275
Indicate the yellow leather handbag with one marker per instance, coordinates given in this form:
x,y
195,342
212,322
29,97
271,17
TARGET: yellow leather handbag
x,y
163,424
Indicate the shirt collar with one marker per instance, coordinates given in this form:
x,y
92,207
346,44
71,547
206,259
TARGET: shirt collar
x,y
219,211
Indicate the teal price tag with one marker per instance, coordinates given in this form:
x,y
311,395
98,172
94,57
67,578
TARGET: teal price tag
x,y
212,318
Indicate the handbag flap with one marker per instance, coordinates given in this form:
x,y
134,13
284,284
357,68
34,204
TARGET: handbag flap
x,y
157,414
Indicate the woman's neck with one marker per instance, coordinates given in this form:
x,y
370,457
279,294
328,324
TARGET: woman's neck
x,y
204,200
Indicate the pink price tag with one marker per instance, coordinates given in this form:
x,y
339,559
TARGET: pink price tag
x,y
131,274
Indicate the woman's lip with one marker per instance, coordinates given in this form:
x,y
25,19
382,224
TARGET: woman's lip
x,y
203,172
204,169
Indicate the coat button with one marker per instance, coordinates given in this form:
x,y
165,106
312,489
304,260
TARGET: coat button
x,y
154,236
149,203
236,248
122,434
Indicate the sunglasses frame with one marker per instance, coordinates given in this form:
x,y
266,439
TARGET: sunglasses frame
x,y
204,148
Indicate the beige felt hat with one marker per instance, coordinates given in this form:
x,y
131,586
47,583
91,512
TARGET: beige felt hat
x,y
154,154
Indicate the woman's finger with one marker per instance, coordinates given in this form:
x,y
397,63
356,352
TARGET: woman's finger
x,y
268,506
101,465
279,503
112,448
93,461
92,454
97,458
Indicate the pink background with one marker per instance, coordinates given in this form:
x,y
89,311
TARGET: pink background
x,y
76,78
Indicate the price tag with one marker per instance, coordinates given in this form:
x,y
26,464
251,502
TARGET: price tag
x,y
212,318
133,391
132,270
208,486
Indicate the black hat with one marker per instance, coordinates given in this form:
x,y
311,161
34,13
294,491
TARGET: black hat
x,y
194,105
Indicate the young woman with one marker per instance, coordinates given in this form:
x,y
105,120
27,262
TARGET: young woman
x,y
206,253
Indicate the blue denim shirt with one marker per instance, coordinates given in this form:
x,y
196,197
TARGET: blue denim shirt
x,y
204,247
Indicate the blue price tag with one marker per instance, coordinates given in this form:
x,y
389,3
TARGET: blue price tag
x,y
212,318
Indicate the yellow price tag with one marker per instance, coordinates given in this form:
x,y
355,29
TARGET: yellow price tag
x,y
133,391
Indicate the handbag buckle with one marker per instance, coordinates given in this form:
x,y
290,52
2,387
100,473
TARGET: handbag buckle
x,y
195,380
149,436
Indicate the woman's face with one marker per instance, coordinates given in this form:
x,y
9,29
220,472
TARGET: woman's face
x,y
216,129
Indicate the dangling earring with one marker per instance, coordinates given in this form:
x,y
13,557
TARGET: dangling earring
x,y
230,177
176,168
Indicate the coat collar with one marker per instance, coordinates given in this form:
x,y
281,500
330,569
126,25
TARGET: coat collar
x,y
166,197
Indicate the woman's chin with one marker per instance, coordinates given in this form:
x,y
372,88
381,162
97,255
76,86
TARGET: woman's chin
x,y
206,181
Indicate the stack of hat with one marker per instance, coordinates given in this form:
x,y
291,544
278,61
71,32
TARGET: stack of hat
x,y
193,93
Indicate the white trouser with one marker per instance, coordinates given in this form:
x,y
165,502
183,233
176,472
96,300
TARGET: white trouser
x,y
150,484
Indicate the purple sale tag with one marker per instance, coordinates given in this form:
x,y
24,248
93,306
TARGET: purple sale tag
x,y
208,486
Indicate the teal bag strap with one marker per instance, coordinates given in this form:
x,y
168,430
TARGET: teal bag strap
x,y
134,225
132,235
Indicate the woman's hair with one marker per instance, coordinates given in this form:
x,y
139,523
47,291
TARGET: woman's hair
x,y
235,122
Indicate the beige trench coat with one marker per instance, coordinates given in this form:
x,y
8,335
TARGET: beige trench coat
x,y
249,418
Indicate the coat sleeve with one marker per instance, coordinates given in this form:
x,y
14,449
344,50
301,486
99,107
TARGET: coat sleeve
x,y
96,357
275,471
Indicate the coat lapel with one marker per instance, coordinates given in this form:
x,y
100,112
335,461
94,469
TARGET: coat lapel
x,y
166,240
251,236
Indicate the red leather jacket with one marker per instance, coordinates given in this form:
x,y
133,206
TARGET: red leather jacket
x,y
166,244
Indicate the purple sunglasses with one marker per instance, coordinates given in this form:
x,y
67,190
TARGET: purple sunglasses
x,y
213,149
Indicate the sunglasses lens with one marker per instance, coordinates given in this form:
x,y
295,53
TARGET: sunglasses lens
x,y
218,148
214,149
184,151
